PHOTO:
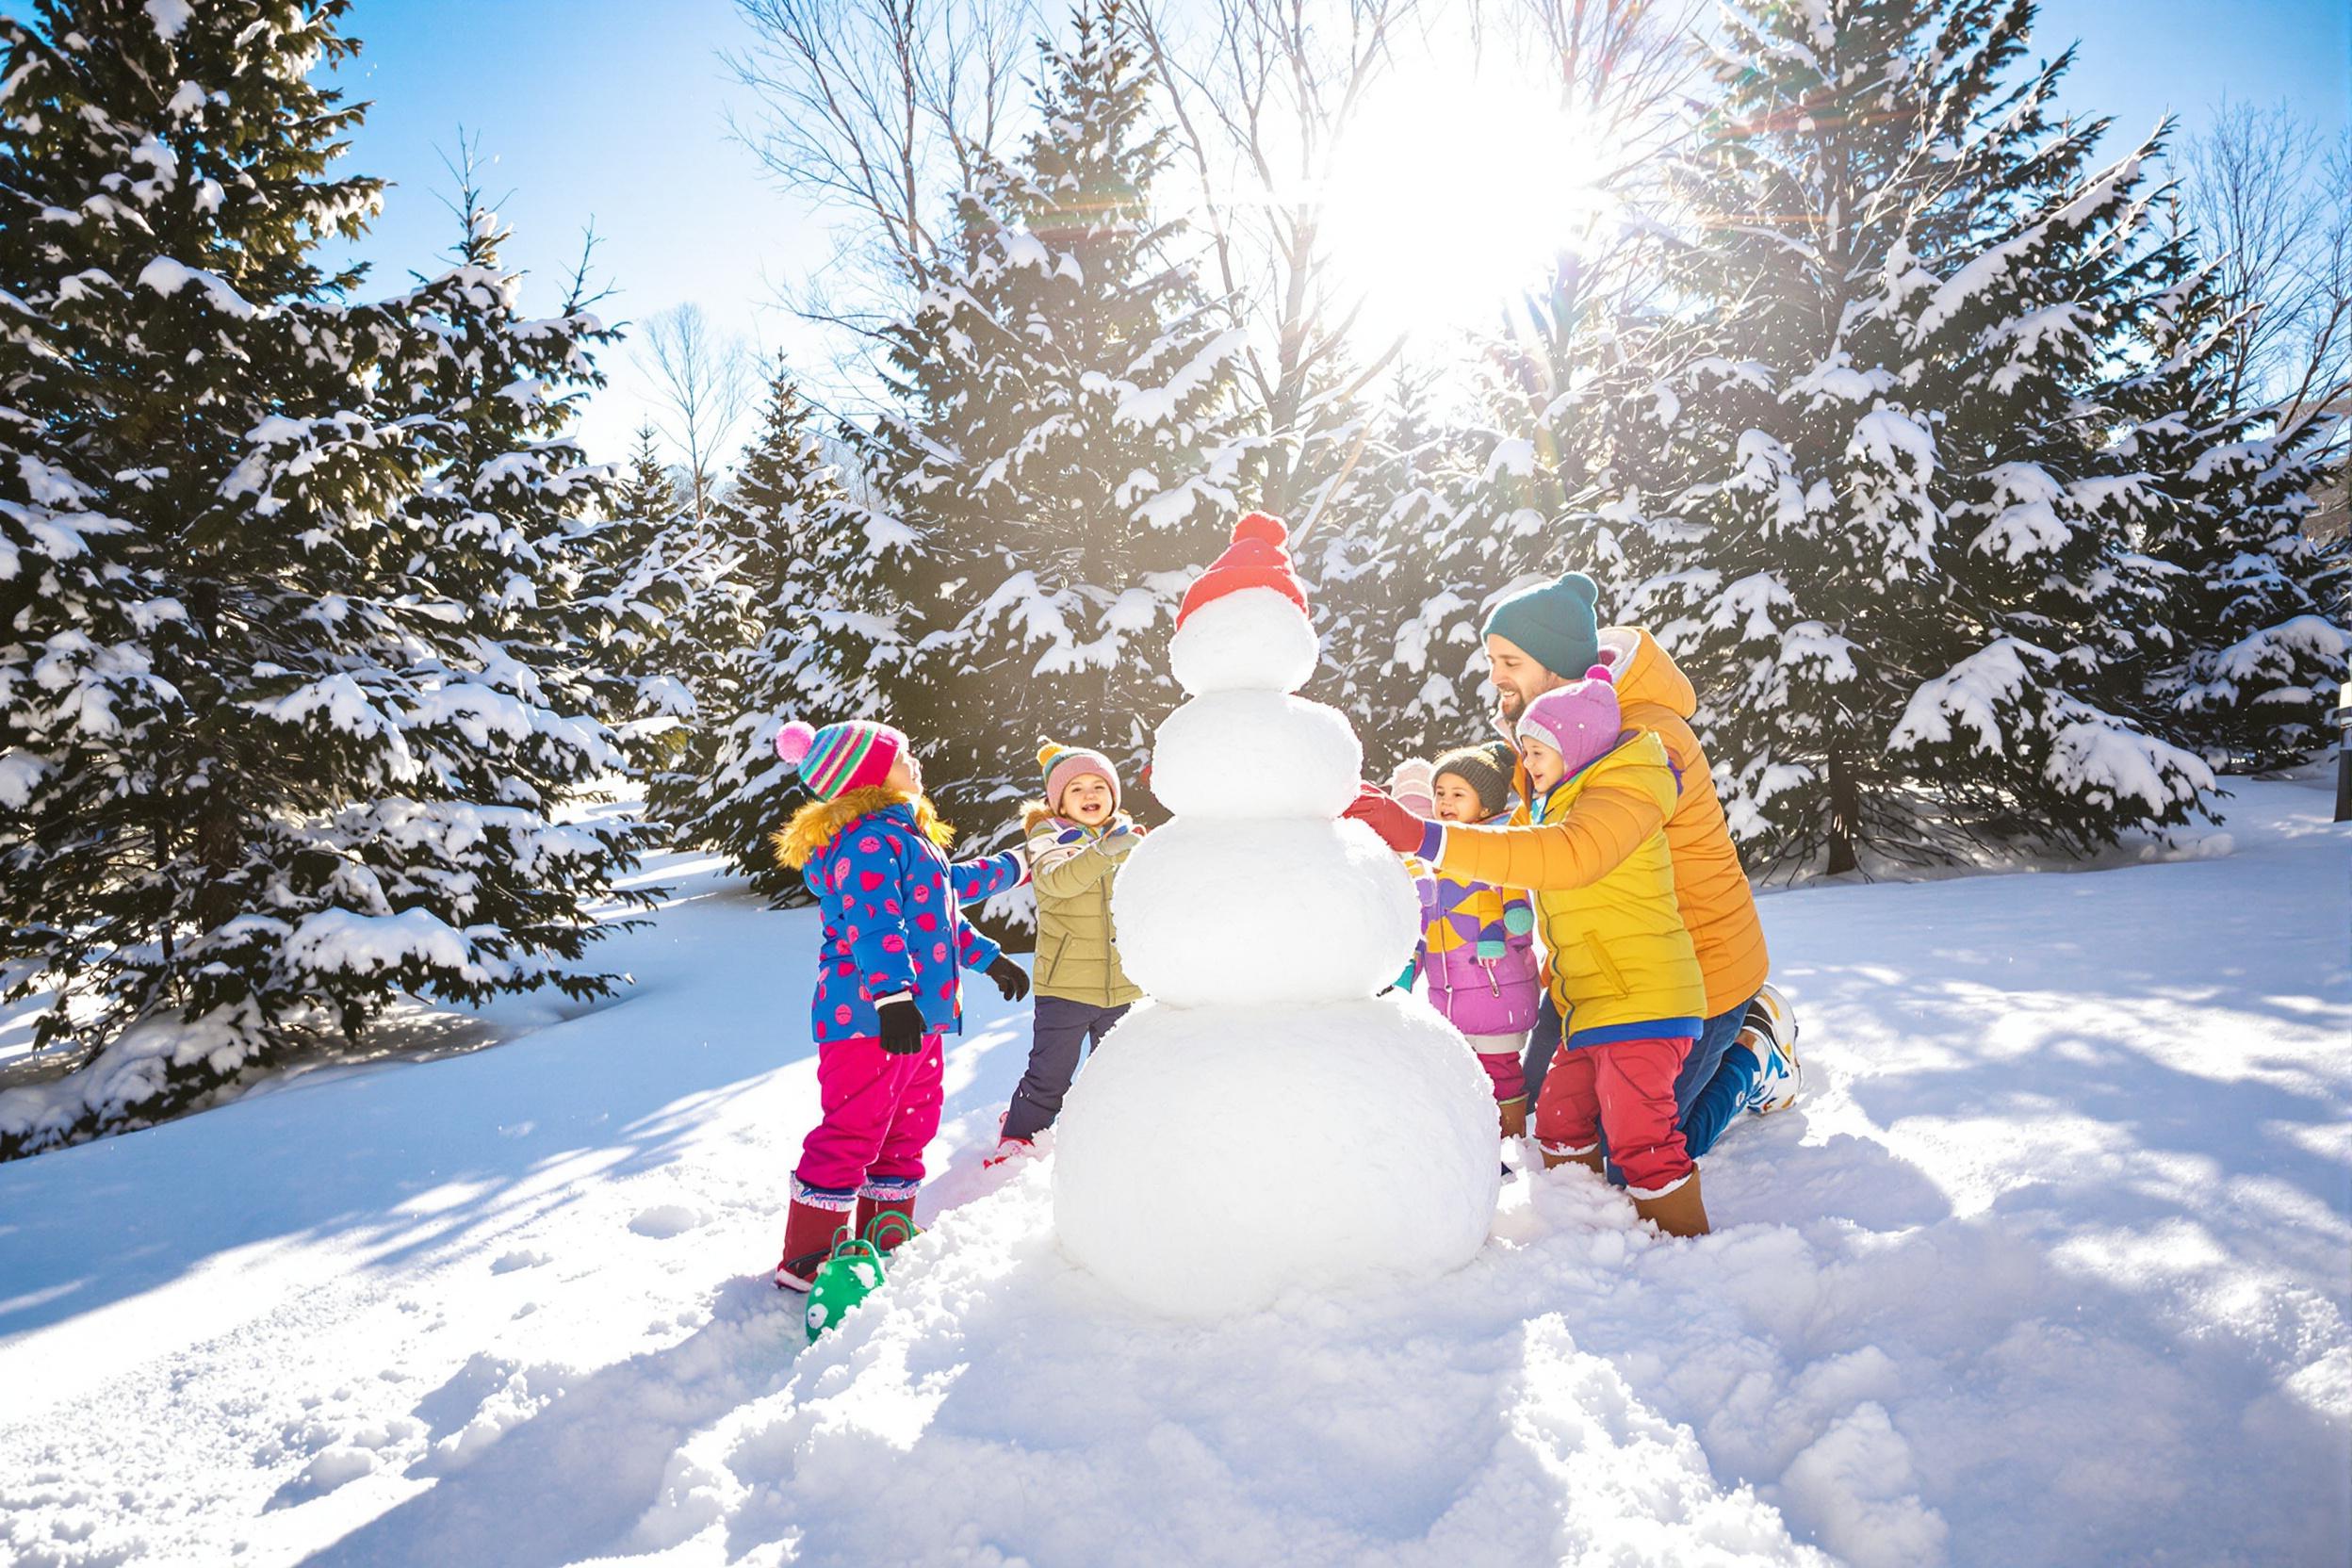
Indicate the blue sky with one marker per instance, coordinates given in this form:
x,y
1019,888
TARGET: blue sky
x,y
617,111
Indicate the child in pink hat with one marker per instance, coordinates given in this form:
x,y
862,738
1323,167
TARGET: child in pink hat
x,y
1568,727
1078,839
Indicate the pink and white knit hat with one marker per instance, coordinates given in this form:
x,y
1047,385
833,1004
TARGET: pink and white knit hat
x,y
1063,764
852,755
1414,785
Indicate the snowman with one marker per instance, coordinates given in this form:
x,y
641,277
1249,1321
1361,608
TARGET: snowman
x,y
1268,1120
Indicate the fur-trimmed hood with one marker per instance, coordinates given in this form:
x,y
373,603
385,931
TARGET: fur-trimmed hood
x,y
820,821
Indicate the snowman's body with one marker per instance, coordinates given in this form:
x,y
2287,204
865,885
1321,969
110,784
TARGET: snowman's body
x,y
1268,1118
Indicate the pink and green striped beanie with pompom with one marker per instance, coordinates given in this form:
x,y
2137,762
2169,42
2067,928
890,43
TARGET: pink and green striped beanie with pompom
x,y
852,755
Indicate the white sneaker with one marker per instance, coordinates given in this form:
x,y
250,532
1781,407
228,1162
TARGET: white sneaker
x,y
1770,1033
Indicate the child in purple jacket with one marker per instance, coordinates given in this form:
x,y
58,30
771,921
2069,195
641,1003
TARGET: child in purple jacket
x,y
870,847
1476,963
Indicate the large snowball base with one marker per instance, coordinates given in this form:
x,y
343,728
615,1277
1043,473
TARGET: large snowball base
x,y
1209,1158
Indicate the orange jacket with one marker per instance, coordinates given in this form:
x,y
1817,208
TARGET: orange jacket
x,y
1717,905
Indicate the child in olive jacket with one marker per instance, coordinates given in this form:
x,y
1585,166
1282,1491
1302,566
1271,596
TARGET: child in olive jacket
x,y
1078,839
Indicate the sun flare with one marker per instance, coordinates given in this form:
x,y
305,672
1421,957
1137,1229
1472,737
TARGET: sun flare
x,y
1456,190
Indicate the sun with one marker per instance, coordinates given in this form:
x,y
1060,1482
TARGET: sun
x,y
1454,190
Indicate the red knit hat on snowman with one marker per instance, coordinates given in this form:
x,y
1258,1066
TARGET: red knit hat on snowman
x,y
1259,557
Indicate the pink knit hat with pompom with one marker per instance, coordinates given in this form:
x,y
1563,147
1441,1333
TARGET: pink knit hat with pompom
x,y
855,754
1579,720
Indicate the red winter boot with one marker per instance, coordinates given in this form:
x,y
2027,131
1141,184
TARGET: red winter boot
x,y
808,1236
897,1223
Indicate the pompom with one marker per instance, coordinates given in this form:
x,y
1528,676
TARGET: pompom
x,y
1601,673
1264,529
792,742
1046,754
1581,586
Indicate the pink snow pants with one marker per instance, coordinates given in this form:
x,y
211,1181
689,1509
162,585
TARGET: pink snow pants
x,y
1625,1087
880,1110
1503,1068
1499,1055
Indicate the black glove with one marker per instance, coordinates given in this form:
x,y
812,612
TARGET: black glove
x,y
902,1025
1010,978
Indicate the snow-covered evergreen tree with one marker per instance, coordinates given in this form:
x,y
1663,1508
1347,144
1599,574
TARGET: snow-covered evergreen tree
x,y
265,759
2246,656
1535,459
1386,584
1885,522
624,589
801,643
1057,447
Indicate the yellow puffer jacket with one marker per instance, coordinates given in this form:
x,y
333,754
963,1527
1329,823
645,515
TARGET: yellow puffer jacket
x,y
1717,905
1595,857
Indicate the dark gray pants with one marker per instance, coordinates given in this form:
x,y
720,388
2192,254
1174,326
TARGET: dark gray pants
x,y
1064,1029
1542,1045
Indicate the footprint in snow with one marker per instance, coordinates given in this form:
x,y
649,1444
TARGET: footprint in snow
x,y
666,1220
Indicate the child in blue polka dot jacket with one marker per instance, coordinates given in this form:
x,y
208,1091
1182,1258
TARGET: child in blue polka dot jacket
x,y
888,986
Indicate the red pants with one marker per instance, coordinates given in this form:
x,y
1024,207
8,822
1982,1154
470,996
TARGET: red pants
x,y
880,1110
1627,1089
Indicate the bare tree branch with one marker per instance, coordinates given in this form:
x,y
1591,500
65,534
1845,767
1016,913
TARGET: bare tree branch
x,y
2266,193
704,382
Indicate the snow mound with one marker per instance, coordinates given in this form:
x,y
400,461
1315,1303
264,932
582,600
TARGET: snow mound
x,y
1276,911
1414,1423
1251,641
1189,1137
1228,755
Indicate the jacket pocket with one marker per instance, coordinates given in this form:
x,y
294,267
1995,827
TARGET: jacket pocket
x,y
1050,950
1603,966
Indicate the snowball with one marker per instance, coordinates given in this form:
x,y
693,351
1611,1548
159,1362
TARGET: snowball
x,y
1255,754
1272,911
1188,1174
1254,640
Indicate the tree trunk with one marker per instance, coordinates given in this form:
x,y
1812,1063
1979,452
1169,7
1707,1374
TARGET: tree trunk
x,y
1845,811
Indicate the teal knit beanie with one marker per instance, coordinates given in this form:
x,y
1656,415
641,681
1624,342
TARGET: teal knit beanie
x,y
1554,624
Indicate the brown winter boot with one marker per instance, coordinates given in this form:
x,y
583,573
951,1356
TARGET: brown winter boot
x,y
1679,1213
1589,1159
1515,1117
808,1234
897,1223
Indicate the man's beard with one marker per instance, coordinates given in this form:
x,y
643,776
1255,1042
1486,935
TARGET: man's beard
x,y
1511,703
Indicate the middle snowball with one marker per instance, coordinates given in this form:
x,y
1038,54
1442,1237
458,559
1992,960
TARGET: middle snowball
x,y
1255,754
1219,912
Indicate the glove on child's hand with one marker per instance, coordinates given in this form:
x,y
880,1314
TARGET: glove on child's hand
x,y
902,1026
1398,827
1010,978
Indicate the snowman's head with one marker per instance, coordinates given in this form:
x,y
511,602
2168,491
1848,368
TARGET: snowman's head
x,y
1243,625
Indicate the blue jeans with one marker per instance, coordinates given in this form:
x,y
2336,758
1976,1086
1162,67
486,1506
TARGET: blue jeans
x,y
1712,1088
1709,1091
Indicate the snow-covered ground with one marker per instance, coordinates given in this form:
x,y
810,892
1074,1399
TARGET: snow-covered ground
x,y
2051,1267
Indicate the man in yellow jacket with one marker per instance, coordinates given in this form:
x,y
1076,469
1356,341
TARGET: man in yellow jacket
x,y
1538,641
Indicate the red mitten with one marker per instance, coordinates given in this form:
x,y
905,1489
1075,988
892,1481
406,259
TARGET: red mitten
x,y
1398,827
